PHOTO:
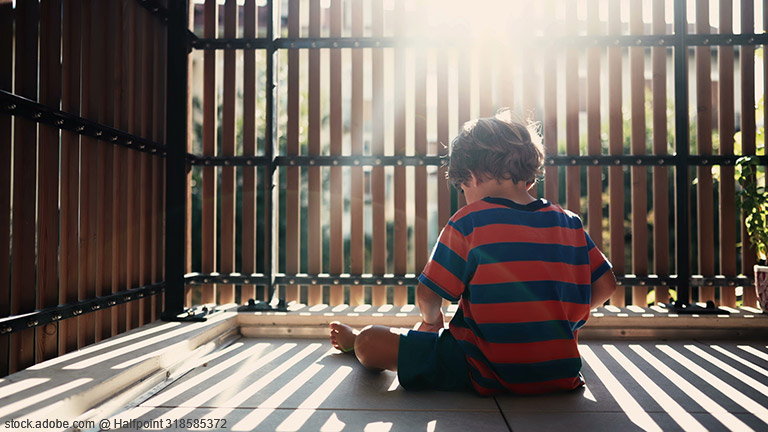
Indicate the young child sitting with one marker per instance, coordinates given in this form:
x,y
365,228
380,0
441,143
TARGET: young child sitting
x,y
524,271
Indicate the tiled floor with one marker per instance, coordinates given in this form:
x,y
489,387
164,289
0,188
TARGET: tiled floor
x,y
291,385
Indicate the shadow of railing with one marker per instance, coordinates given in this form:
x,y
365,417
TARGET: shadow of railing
x,y
301,385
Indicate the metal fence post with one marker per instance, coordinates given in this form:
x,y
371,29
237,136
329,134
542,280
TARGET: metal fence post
x,y
270,192
683,151
176,138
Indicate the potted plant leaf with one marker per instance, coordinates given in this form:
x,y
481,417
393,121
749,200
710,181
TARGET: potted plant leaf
x,y
753,200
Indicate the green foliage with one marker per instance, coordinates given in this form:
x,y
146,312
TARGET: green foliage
x,y
760,135
651,297
753,200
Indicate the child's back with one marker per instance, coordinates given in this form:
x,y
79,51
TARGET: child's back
x,y
523,273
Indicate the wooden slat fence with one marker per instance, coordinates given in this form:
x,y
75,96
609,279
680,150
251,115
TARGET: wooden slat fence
x,y
81,216
605,96
364,97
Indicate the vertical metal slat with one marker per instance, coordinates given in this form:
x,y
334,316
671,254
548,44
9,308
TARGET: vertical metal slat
x,y
210,183
122,98
704,186
357,236
594,144
726,126
748,135
23,272
70,102
88,197
551,189
293,174
114,107
420,227
336,259
660,174
248,247
378,179
615,144
314,180
228,185
146,181
639,174
682,144
176,120
400,240
158,185
6,82
572,173
48,193
104,158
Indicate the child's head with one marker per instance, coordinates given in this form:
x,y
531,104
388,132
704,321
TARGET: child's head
x,y
496,148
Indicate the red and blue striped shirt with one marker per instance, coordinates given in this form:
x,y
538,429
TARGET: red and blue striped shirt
x,y
522,275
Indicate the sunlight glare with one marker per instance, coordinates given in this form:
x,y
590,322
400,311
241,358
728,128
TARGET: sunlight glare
x,y
484,20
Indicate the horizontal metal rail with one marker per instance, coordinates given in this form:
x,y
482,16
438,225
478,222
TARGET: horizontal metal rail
x,y
640,160
228,160
301,279
22,107
667,40
559,160
314,160
412,279
15,323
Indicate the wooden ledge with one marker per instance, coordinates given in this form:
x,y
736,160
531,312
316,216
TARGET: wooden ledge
x,y
606,322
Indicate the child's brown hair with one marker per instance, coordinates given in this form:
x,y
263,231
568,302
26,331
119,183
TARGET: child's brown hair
x,y
499,147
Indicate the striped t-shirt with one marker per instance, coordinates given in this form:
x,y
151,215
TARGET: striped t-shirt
x,y
523,275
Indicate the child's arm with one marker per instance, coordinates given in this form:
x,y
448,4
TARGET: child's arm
x,y
603,288
430,306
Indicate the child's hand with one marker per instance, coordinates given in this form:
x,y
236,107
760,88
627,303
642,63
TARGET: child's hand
x,y
426,327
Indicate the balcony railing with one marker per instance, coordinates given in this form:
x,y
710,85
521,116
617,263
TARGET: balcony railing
x,y
220,153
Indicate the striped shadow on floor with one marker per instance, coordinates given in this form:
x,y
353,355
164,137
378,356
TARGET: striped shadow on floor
x,y
302,384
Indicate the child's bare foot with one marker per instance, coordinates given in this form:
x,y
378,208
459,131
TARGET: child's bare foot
x,y
343,336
